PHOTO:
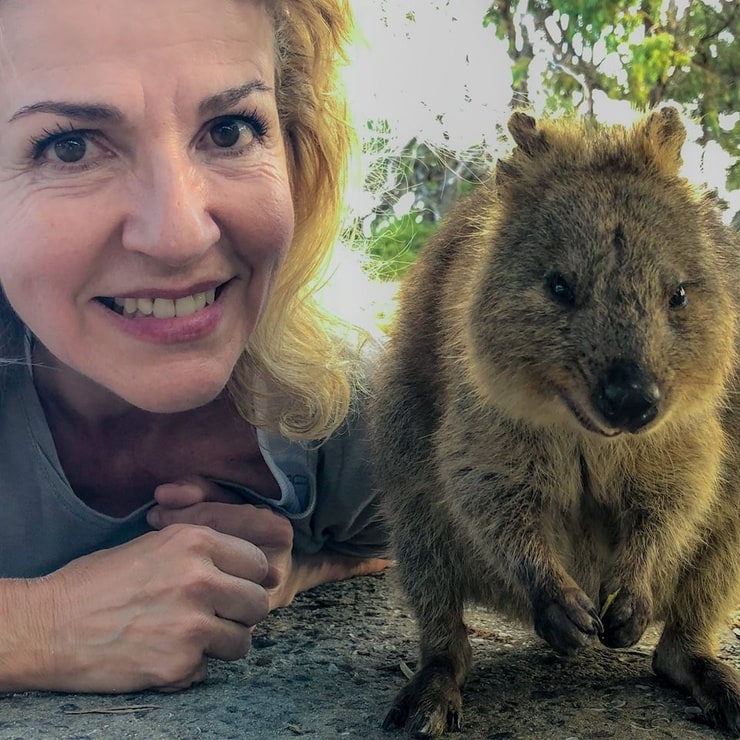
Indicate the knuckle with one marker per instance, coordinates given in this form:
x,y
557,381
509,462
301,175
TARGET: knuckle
x,y
199,581
280,532
253,565
194,632
177,672
272,529
193,537
276,574
262,564
208,516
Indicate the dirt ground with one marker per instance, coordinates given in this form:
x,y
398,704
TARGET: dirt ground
x,y
328,667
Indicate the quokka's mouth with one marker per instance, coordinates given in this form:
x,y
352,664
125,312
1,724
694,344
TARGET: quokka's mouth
x,y
586,420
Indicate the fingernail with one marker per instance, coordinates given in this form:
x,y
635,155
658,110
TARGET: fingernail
x,y
153,518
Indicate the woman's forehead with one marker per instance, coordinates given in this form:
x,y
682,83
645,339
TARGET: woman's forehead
x,y
52,31
47,45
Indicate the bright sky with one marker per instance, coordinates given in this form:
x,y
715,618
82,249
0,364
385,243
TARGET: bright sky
x,y
442,62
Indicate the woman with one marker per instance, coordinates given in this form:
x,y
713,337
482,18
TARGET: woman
x,y
170,178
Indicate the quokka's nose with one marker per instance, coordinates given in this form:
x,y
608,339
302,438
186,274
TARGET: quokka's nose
x,y
627,397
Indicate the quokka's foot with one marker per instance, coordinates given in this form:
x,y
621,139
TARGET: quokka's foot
x,y
567,621
717,691
626,618
714,685
428,705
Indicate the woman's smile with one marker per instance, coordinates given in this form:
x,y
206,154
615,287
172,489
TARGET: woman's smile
x,y
160,308
159,319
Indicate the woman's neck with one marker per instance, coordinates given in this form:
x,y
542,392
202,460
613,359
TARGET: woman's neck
x,y
114,454
67,394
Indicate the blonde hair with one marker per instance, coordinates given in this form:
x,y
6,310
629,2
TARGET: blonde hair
x,y
295,376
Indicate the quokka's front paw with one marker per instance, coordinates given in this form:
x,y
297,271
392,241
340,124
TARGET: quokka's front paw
x,y
428,705
626,612
567,620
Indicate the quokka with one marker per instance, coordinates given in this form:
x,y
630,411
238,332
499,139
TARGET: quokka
x,y
557,420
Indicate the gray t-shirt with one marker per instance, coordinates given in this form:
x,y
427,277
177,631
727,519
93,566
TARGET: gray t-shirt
x,y
326,492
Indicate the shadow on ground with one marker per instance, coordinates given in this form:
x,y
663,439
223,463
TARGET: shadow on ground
x,y
328,667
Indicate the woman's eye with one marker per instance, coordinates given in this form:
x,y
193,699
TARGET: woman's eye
x,y
70,149
230,132
235,132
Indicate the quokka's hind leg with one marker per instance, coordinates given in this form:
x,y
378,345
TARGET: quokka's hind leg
x,y
685,654
431,702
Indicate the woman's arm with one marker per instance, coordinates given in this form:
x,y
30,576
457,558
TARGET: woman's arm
x,y
324,566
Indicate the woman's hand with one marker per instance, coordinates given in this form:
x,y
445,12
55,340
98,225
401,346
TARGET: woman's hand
x,y
200,501
146,614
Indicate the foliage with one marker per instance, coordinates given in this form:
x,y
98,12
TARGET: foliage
x,y
396,241
414,189
644,51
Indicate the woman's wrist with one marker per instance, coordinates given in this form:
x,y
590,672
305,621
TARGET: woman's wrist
x,y
24,649
30,657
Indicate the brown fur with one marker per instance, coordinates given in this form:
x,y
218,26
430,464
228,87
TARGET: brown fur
x,y
504,479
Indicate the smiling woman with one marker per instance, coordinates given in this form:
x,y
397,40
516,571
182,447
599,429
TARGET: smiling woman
x,y
171,175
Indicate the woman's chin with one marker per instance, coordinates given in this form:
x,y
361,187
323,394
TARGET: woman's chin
x,y
169,400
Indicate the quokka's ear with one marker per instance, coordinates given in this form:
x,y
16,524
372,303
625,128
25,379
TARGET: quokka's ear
x,y
666,135
505,171
528,137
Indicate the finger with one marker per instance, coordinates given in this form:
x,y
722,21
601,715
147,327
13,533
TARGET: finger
x,y
260,526
237,557
211,549
230,641
221,517
199,675
192,490
240,601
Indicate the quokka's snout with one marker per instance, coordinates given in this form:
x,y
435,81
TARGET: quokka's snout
x,y
626,396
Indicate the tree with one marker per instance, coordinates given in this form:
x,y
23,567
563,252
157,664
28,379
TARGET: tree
x,y
644,51
414,188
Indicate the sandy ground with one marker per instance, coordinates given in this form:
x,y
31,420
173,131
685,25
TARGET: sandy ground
x,y
328,667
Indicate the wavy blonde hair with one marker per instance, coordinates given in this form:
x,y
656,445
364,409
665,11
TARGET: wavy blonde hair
x,y
296,376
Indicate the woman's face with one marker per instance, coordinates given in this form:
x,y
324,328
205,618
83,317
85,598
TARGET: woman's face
x,y
144,198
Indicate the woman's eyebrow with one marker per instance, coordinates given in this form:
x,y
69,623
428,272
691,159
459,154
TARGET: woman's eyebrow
x,y
95,113
82,111
222,101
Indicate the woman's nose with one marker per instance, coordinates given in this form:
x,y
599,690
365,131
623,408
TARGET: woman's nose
x,y
169,217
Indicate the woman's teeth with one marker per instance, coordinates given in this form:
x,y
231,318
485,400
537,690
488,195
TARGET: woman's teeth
x,y
164,308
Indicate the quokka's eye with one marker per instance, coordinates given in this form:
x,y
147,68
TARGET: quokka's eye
x,y
560,290
679,299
